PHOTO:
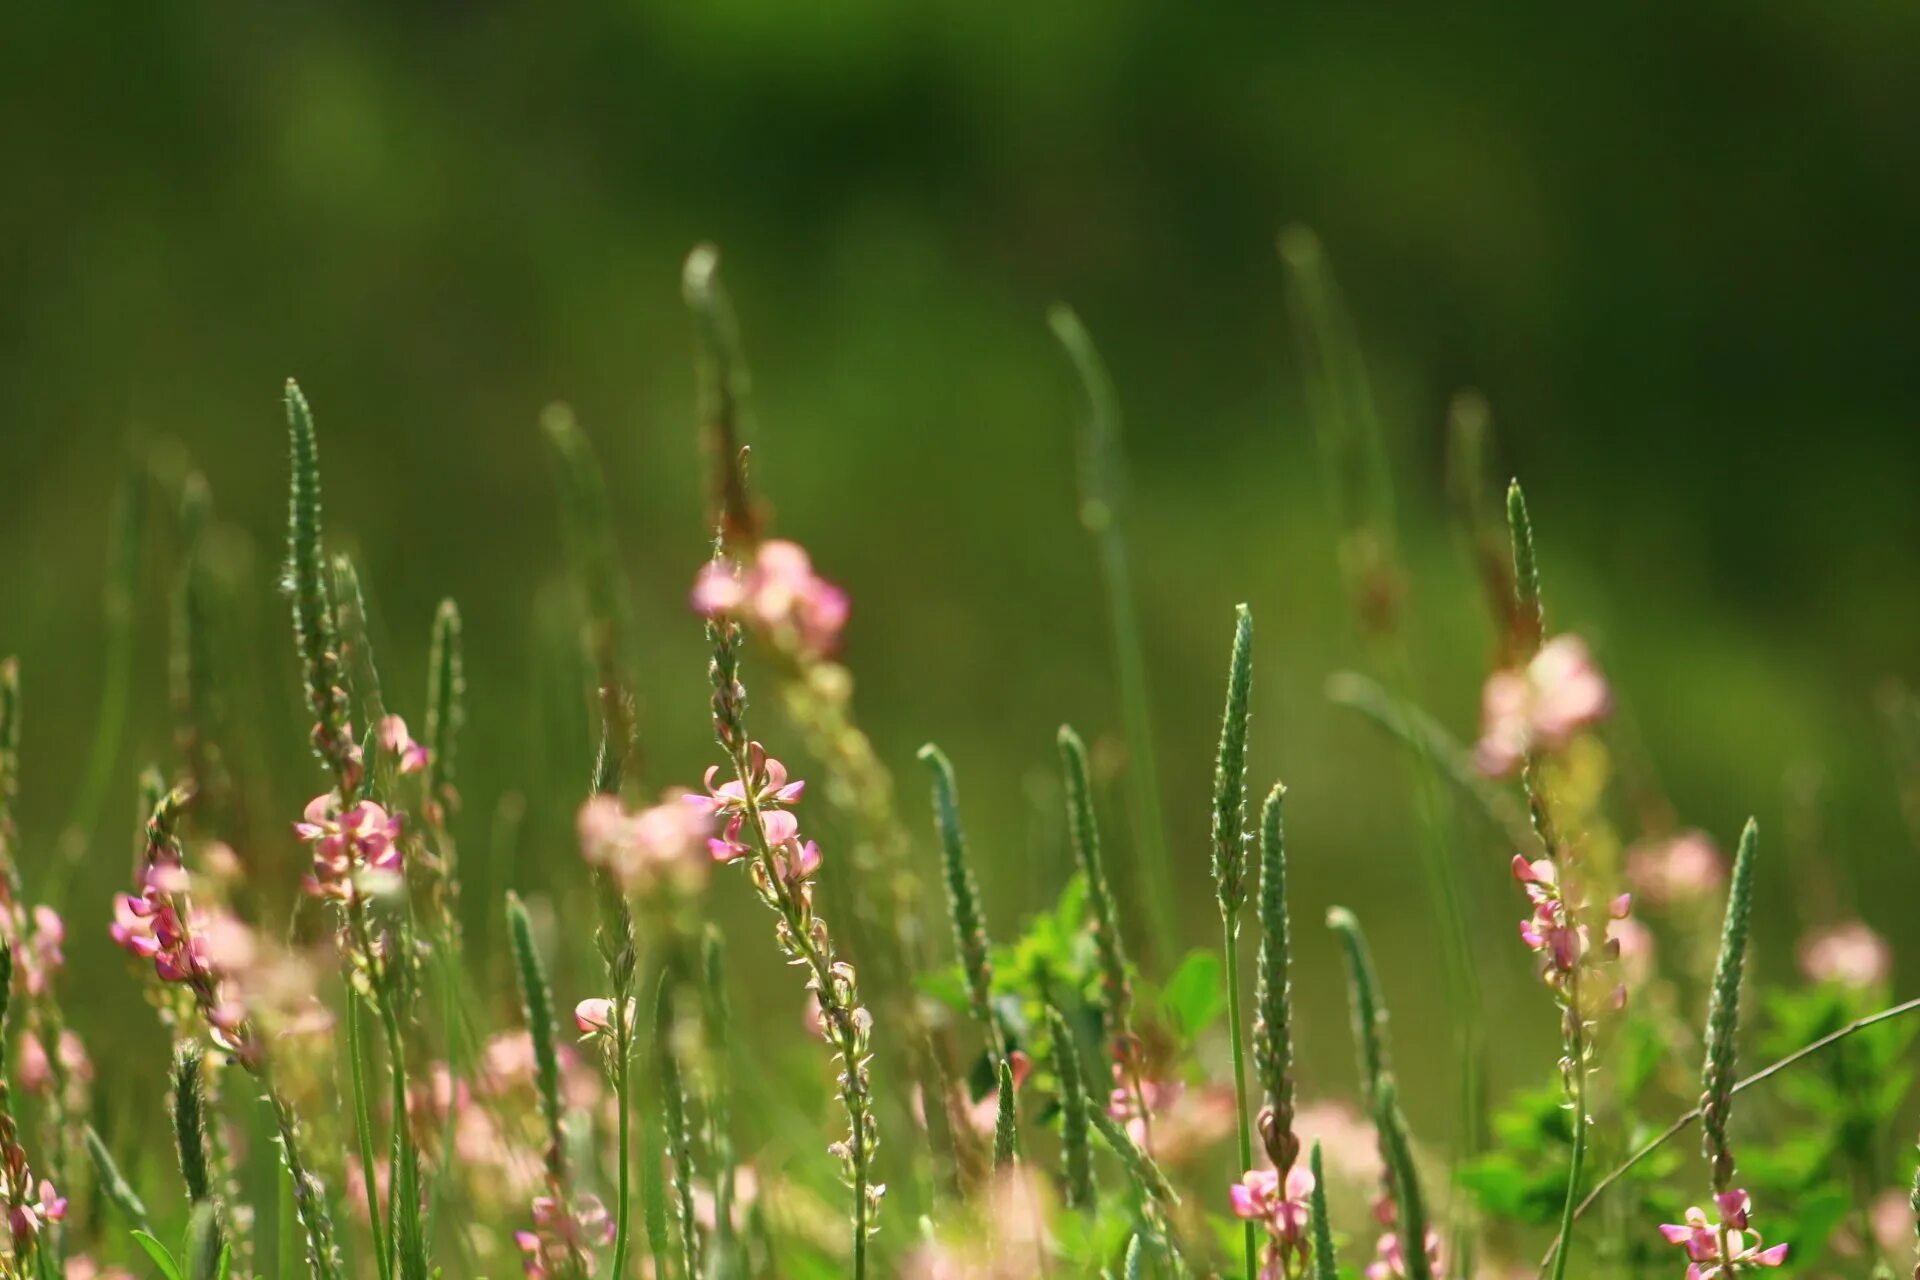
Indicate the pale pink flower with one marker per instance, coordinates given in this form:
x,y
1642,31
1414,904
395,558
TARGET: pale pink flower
x,y
363,837
35,1072
770,786
1390,1257
1541,707
82,1267
595,1017
1892,1220
1701,1239
1848,954
1347,1139
561,1233
1282,1207
27,1217
409,756
639,849
1687,867
780,592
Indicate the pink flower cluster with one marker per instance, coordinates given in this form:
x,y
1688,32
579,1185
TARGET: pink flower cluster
x,y
563,1236
640,849
1848,955
1685,867
1281,1204
1555,932
34,1211
1539,707
1390,1257
794,861
408,755
1729,1247
196,950
362,837
780,592
37,938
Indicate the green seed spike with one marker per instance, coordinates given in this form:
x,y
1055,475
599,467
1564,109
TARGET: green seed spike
x,y
1369,1017
673,1112
1325,1267
189,1114
1102,501
1230,773
313,617
113,1184
1406,1180
446,704
1116,985
1273,1019
1135,1265
537,1001
1006,1122
1076,1147
724,388
963,900
1723,1013
356,648
1531,618
1138,1164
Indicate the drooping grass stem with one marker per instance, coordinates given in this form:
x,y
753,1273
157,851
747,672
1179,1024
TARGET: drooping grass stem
x,y
1102,504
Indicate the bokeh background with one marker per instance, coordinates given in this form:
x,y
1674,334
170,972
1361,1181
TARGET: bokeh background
x,y
1673,247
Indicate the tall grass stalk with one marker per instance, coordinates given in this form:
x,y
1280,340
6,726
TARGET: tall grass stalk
x,y
673,1116
1273,999
1076,1148
1103,497
1358,479
1229,873
963,902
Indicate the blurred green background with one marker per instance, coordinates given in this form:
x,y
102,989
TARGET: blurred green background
x,y
1673,247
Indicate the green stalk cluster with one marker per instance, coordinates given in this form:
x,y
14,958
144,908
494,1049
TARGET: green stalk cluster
x,y
1230,870
1723,1014
446,708
963,901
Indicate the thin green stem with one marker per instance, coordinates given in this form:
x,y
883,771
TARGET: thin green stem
x,y
1680,1125
1103,484
1249,1239
1578,1167
621,1076
356,1050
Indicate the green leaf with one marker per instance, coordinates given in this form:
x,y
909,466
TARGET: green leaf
x,y
1195,996
158,1252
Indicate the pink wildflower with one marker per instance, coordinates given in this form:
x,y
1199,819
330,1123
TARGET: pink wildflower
x,y
639,849
36,1073
1702,1240
409,756
595,1017
780,592
561,1235
345,843
1559,693
1390,1257
1261,1197
1848,955
1555,932
1687,867
26,1218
